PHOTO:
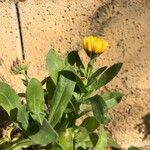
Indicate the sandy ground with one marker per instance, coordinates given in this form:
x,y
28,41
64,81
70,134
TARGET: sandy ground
x,y
62,24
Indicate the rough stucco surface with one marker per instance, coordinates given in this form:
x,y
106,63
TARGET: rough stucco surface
x,y
62,24
126,25
53,24
9,43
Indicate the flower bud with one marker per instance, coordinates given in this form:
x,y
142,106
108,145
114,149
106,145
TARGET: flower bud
x,y
94,45
19,66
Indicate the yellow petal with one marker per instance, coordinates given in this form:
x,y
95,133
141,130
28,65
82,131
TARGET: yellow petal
x,y
104,45
89,45
94,44
97,46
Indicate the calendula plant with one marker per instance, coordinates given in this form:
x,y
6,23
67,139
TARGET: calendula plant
x,y
62,112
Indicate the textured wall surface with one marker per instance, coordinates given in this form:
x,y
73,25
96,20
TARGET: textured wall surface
x,y
126,25
62,24
9,43
53,24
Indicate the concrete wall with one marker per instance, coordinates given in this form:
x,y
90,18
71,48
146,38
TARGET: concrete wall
x,y
10,47
62,24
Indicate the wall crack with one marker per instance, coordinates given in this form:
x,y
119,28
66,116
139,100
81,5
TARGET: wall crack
x,y
20,30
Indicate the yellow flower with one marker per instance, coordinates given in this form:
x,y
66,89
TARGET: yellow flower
x,y
94,45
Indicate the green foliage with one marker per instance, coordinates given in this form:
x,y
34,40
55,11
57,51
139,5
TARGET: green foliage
x,y
133,148
108,75
60,100
66,139
111,142
99,108
102,139
90,123
20,144
96,74
112,99
35,100
9,100
54,64
82,139
45,135
23,117
52,108
73,59
105,77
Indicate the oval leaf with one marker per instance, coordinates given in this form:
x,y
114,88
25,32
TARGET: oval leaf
x,y
66,139
45,135
35,100
21,144
59,102
111,142
90,124
9,99
99,108
22,117
112,98
106,77
54,64
73,58
133,148
95,75
102,141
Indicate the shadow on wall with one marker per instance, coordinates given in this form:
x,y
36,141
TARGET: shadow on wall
x,y
112,10
102,18
144,126
125,23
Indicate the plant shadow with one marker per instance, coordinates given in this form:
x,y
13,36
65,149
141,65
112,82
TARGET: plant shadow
x,y
144,126
4,119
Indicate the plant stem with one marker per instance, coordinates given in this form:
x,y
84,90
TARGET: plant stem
x,y
73,107
25,76
90,68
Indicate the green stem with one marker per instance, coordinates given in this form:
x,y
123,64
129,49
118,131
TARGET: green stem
x,y
90,67
25,76
73,107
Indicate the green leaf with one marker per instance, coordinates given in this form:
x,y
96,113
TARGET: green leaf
x,y
102,141
82,139
90,124
73,58
80,84
52,147
59,102
9,100
112,98
72,75
35,100
96,74
133,148
107,76
21,144
99,108
111,142
50,86
45,135
63,124
94,138
54,64
66,139
22,117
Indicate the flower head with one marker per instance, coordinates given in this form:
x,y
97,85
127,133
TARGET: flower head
x,y
94,45
19,66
